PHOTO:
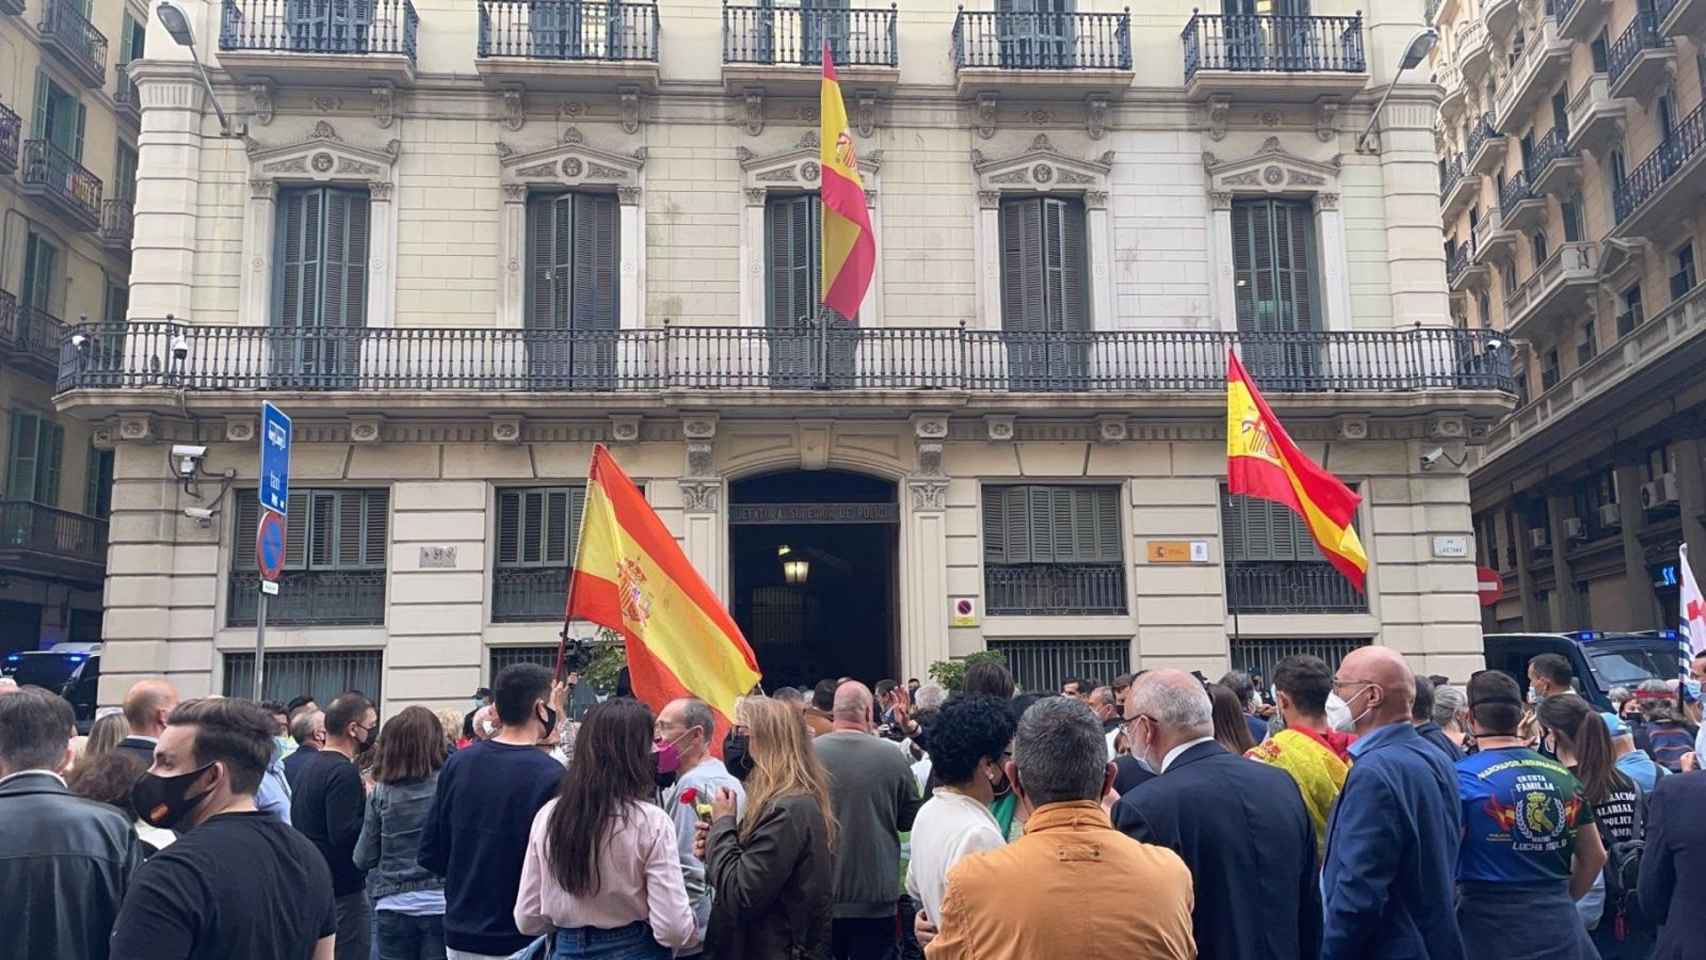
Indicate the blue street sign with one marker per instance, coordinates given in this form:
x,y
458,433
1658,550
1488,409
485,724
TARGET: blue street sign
x,y
275,459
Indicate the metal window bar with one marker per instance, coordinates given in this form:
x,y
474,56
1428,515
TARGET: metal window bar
x,y
528,594
1553,146
1084,589
311,598
569,30
1042,665
1290,587
542,656
321,674
1260,656
1273,44
10,124
860,37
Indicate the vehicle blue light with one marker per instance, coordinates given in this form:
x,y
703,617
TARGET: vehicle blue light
x,y
76,658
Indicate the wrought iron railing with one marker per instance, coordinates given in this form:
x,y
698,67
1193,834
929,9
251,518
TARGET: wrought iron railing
x,y
1662,9
9,126
321,674
117,220
1459,262
53,170
1516,190
1261,656
208,357
1645,180
311,598
320,26
40,529
127,95
1041,666
528,594
1642,34
796,35
1274,44
1082,589
1562,8
30,331
1290,587
1555,145
1449,175
569,30
1041,41
1479,134
64,26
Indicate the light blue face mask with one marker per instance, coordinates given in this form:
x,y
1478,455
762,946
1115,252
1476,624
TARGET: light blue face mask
x,y
1693,687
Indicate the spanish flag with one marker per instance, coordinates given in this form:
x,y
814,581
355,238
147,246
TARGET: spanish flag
x,y
631,576
849,247
1262,461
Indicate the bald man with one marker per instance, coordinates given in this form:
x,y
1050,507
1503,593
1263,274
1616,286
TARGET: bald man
x,y
146,707
874,797
1392,841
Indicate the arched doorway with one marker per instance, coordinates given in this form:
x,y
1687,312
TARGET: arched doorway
x,y
813,559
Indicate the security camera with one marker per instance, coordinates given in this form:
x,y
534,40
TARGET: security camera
x,y
187,456
180,348
201,515
1432,457
79,341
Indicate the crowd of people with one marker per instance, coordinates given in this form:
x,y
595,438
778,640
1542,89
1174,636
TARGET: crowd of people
x,y
1359,812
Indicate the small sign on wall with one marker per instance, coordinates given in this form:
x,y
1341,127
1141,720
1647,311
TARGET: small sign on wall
x,y
438,558
1178,551
1451,547
962,612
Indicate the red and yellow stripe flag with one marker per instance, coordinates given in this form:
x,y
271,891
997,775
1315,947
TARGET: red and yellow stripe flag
x,y
849,246
1262,461
631,576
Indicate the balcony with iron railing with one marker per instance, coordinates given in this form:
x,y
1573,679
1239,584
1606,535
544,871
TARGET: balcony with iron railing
x,y
1675,168
319,42
1681,18
37,539
1499,16
1559,289
127,95
68,35
1289,587
12,7
30,337
1523,208
1463,270
1065,589
9,127
52,176
1286,58
1578,19
942,361
1544,60
310,598
1493,239
1640,59
116,223
1485,151
1554,168
569,44
528,594
1597,119
1456,190
1453,92
1036,51
770,45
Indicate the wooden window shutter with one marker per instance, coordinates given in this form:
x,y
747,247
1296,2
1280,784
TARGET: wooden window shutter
x,y
1042,521
548,279
38,116
1109,546
243,538
21,472
52,451
322,529
1075,269
1023,267
296,529
1018,511
297,262
82,129
351,526
792,238
577,506
556,547
994,525
532,526
1244,263
596,247
509,527
376,533
1232,525
344,298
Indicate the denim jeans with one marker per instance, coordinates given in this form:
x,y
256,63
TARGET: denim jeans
x,y
632,942
404,937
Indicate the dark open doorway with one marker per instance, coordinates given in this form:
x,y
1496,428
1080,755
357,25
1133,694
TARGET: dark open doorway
x,y
814,570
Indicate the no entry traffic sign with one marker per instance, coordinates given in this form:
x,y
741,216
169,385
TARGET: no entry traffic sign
x,y
1489,584
269,544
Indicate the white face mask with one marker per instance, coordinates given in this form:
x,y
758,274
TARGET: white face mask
x,y
1339,714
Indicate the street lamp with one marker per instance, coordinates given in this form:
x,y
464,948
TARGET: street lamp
x,y
178,25
1419,47
794,572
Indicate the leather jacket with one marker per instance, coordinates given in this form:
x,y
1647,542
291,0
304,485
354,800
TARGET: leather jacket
x,y
774,889
65,864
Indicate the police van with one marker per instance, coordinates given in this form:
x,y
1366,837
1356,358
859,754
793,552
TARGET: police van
x,y
1599,659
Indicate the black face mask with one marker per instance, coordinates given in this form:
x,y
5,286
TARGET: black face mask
x,y
165,802
735,756
549,719
369,735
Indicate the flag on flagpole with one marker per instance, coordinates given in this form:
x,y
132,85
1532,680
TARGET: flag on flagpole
x,y
631,576
1262,461
849,246
1692,606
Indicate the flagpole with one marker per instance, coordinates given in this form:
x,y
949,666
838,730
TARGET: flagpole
x,y
557,672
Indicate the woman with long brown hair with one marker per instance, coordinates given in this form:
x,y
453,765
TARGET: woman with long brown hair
x,y
1230,728
602,865
772,870
408,900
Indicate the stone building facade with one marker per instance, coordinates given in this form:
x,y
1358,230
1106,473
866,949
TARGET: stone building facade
x,y
1572,171
460,246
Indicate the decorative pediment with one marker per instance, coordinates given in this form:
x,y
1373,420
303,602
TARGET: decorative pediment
x,y
1623,259
798,169
1272,169
323,157
571,163
1042,168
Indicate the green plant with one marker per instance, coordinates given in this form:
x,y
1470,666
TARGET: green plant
x,y
609,656
951,674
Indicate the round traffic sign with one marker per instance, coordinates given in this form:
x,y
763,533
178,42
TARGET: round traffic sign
x,y
269,544
1489,585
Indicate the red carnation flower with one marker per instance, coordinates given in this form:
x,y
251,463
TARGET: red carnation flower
x,y
689,796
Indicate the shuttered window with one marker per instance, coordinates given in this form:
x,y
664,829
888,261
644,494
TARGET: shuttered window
x,y
58,117
573,249
1044,273
792,231
98,484
1051,524
539,527
326,530
32,466
1273,565
1273,262
320,258
1258,530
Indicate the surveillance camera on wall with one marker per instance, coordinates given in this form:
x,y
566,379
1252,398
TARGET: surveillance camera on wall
x,y
1432,457
187,456
201,515
180,348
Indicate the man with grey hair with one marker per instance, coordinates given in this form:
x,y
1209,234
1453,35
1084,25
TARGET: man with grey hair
x,y
1053,885
930,696
308,729
1241,827
1451,712
687,727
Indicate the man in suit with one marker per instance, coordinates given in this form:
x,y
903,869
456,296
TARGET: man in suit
x,y
146,708
1240,826
1673,868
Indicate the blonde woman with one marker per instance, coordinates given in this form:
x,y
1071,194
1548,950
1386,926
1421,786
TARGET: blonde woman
x,y
771,870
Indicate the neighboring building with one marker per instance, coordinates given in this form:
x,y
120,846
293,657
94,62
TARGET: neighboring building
x,y
461,247
69,116
1572,165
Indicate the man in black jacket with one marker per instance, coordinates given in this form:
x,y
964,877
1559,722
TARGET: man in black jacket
x,y
65,862
1240,826
328,804
146,708
1673,867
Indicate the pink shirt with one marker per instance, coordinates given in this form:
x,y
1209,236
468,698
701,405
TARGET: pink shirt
x,y
640,879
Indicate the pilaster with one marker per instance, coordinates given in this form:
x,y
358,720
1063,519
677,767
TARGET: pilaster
x,y
169,176
1566,599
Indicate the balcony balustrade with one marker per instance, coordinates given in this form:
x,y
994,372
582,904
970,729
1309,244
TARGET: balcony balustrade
x,y
1640,59
1544,60
1453,92
568,44
9,126
1558,289
1040,50
1523,208
1577,19
40,539
1463,271
67,34
117,215
1554,167
1681,18
1597,119
1486,147
319,41
769,45
1456,190
1499,16
1474,54
1493,238
127,96
1289,58
1674,168
51,175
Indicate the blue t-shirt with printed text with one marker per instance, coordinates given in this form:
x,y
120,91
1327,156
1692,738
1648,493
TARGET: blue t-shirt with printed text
x,y
1521,813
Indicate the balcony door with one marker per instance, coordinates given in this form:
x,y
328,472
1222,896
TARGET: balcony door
x,y
41,261
58,117
1255,40
320,285
329,26
1035,34
1045,311
793,232
1275,289
573,249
